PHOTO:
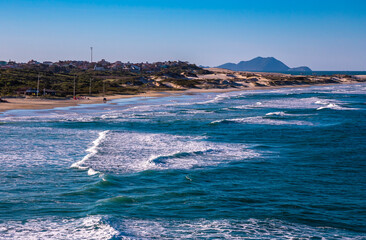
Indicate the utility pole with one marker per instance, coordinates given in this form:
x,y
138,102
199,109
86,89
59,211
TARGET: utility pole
x,y
91,54
74,85
38,85
2,92
90,86
103,88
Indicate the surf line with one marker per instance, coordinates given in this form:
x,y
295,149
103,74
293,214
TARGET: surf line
x,y
91,152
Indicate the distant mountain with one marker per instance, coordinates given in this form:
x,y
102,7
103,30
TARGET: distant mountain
x,y
300,69
260,64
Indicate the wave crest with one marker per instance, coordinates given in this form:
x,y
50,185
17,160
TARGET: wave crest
x,y
124,152
100,227
263,121
91,152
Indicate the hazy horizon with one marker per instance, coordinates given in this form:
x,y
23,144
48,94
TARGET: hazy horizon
x,y
323,36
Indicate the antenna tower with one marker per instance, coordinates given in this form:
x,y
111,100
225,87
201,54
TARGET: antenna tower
x,y
91,54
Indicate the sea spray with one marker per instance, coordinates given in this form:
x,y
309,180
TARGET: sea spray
x,y
276,114
147,151
262,121
91,152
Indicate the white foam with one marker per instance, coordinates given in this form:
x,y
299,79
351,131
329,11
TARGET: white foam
x,y
354,89
321,102
116,113
40,150
109,116
92,172
262,120
221,97
197,112
334,107
228,229
91,227
276,114
243,107
332,104
124,152
99,227
91,152
282,114
290,103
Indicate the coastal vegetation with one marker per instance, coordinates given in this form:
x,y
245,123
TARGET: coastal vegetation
x,y
15,81
104,78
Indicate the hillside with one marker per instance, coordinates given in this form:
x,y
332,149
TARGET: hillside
x,y
260,64
60,82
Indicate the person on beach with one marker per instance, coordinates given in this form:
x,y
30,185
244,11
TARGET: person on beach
x,y
1,100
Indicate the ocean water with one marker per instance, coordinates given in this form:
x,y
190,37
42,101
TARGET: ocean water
x,y
268,164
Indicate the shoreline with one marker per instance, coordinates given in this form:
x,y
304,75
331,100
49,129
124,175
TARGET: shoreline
x,y
37,104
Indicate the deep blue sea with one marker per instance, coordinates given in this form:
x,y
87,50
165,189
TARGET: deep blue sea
x,y
266,164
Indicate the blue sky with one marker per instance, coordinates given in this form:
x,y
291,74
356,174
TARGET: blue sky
x,y
324,35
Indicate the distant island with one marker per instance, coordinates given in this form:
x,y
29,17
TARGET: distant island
x,y
260,64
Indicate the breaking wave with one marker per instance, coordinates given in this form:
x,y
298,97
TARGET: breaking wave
x,y
100,227
264,121
276,114
123,152
91,152
296,103
332,105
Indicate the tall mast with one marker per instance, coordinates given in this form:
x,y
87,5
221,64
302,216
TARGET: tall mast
x,y
91,54
38,85
103,88
74,84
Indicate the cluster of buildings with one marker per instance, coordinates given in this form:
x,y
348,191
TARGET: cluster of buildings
x,y
102,65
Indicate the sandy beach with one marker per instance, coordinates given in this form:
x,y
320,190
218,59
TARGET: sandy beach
x,y
34,103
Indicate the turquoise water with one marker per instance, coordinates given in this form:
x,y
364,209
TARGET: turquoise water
x,y
267,164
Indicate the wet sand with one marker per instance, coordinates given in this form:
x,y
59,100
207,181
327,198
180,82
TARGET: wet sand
x,y
34,103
